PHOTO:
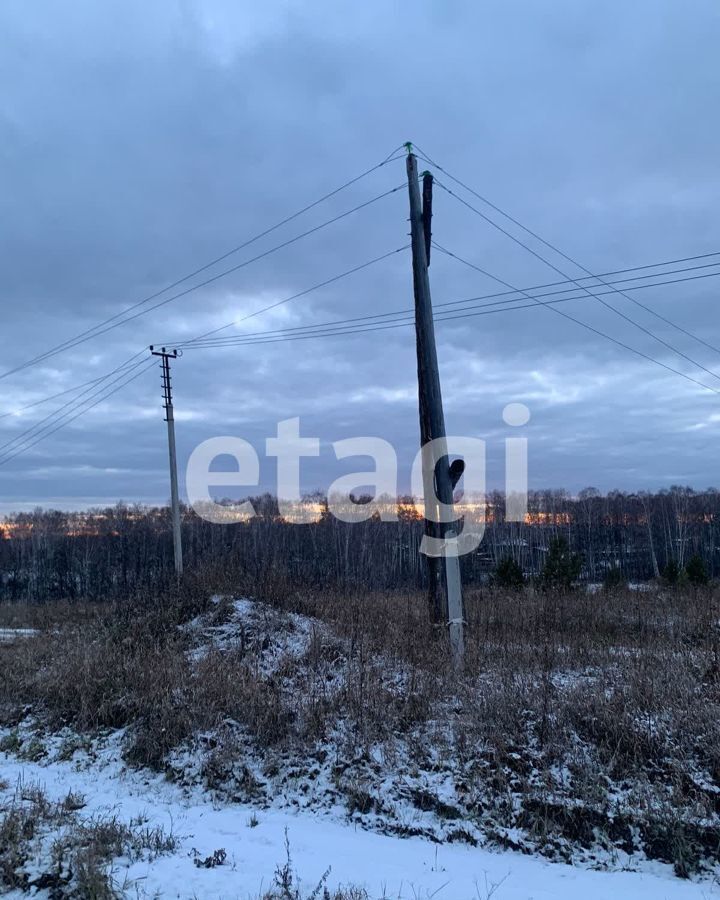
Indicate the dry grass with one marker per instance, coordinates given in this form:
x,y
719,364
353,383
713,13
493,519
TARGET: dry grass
x,y
564,699
46,845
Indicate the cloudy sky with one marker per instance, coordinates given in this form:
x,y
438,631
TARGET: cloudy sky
x,y
139,141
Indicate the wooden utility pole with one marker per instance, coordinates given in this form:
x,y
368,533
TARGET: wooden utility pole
x,y
438,482
165,357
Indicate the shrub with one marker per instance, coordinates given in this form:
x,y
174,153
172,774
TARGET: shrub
x,y
614,579
508,574
562,567
696,571
671,572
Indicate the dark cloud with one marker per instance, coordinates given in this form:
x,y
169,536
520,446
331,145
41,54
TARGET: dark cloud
x,y
137,141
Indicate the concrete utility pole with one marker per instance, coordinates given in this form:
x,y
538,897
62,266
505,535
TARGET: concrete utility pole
x,y
165,357
438,479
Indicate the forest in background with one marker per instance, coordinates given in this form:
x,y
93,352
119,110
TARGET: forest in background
x,y
111,553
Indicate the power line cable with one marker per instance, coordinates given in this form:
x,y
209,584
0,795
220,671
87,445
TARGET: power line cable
x,y
95,331
321,284
598,297
29,432
445,306
590,327
43,400
33,436
536,302
399,314
398,323
618,281
61,424
130,364
248,340
225,272
315,287
564,255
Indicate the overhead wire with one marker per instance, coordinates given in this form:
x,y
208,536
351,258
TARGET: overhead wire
x,y
71,390
250,339
72,415
37,432
512,297
444,306
565,256
226,272
589,327
587,290
32,436
21,442
130,364
383,326
535,302
121,318
208,334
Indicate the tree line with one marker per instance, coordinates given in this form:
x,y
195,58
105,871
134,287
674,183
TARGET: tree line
x,y
113,552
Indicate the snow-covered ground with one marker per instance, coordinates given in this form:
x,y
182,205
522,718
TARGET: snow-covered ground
x,y
254,842
10,635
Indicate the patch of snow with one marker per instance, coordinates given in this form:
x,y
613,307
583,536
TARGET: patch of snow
x,y
9,635
388,867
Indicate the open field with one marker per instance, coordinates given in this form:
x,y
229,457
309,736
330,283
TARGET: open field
x,y
359,497
584,727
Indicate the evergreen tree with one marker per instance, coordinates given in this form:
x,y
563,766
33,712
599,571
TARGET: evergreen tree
x,y
508,574
562,567
671,572
696,571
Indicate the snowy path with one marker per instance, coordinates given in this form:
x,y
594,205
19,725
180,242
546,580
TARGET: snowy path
x,y
411,869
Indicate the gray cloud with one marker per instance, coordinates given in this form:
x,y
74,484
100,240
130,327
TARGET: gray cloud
x,y
139,140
